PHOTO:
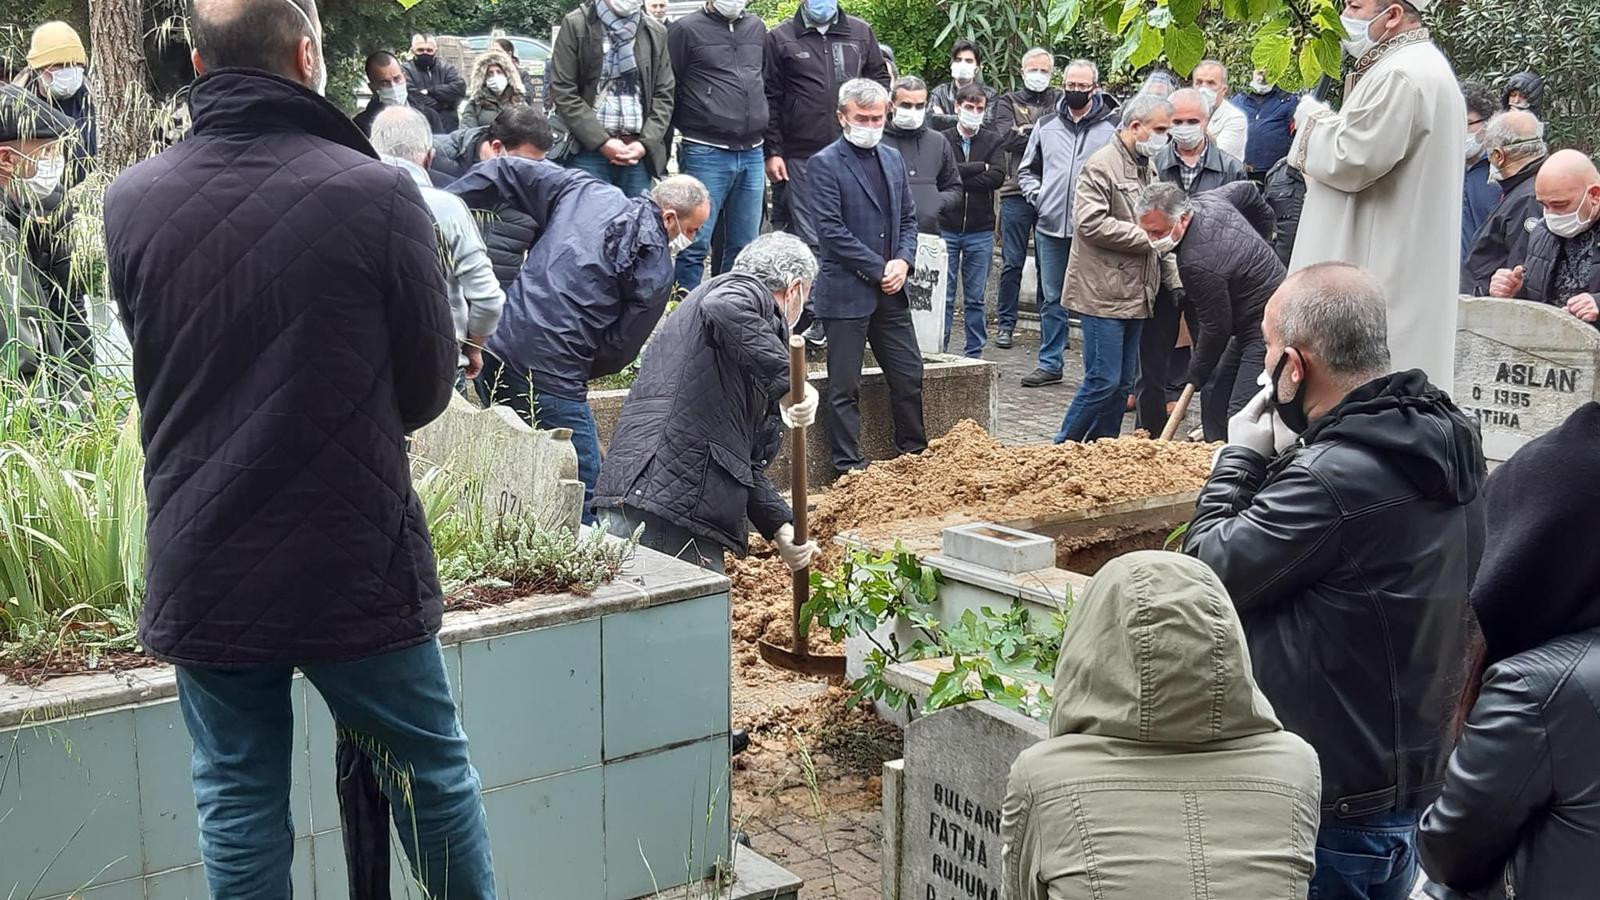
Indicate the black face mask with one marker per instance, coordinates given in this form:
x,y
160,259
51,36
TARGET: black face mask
x,y
1077,99
1293,410
425,60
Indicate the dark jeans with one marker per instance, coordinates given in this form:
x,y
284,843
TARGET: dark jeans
x,y
397,705
894,343
1055,334
513,387
737,182
632,180
1155,360
1367,859
1232,385
1017,221
801,224
664,537
1110,362
971,254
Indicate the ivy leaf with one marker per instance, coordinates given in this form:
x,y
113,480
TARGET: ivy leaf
x,y
1186,46
1273,52
1184,12
1149,48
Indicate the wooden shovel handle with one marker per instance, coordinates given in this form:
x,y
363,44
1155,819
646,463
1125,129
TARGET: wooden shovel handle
x,y
1178,412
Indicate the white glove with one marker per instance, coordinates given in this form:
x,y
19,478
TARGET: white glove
x,y
1283,437
1252,427
1309,106
802,414
798,557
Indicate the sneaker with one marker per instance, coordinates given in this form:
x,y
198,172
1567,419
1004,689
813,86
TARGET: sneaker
x,y
1040,378
815,336
1003,339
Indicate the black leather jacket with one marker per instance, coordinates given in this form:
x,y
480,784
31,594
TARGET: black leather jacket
x,y
1349,558
1522,785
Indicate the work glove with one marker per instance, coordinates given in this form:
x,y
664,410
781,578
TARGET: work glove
x,y
1252,427
798,557
801,414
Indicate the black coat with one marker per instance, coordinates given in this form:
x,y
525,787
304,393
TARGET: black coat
x,y
1349,559
1285,191
931,169
802,71
982,172
1544,252
285,298
720,97
1502,240
701,423
1014,117
363,119
439,89
1229,271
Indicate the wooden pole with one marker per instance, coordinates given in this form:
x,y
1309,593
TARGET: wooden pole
x,y
1180,410
797,488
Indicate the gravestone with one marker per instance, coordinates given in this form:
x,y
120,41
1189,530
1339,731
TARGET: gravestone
x,y
1522,368
956,764
521,471
927,293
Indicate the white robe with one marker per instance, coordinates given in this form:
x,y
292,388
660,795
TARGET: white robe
x,y
1383,191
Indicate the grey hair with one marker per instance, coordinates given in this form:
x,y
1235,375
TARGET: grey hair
x,y
683,194
862,92
1163,197
1207,63
1192,94
403,132
906,83
779,260
1088,63
1336,312
1143,108
1038,51
1501,133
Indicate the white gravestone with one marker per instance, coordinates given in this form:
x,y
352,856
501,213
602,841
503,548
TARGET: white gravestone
x,y
522,471
926,293
1522,368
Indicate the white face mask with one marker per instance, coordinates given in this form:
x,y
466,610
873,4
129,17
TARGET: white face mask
x,y
1474,145
862,136
963,71
969,119
1211,98
1152,146
1260,86
321,74
1036,80
1188,137
1164,244
1496,175
729,9
625,8
1358,38
66,81
496,83
393,95
46,176
1565,225
909,119
680,243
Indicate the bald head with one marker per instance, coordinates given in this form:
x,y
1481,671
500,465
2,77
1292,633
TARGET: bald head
x,y
1568,183
278,36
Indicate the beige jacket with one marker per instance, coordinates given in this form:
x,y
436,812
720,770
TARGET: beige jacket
x,y
1113,272
1167,775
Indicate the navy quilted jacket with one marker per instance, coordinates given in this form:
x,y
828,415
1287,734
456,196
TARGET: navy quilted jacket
x,y
285,298
701,423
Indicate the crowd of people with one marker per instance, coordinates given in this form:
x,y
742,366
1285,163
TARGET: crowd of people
x,y
514,238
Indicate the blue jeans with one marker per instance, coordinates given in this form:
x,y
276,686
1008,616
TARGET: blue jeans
x,y
1054,332
511,386
1367,859
631,180
1017,220
1110,365
970,257
737,180
397,705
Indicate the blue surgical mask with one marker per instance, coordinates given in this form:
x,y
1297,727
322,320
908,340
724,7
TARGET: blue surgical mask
x,y
817,12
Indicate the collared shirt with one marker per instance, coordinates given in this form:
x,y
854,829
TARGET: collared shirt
x,y
1189,173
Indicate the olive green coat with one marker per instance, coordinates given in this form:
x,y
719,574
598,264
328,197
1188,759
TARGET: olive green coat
x,y
1167,775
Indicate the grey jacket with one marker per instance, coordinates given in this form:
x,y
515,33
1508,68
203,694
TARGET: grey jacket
x,y
574,78
475,295
1057,150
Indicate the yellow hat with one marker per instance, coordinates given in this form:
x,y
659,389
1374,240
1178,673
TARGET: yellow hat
x,y
56,44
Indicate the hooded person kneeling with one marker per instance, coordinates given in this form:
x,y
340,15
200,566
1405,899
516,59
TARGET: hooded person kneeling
x,y
1165,765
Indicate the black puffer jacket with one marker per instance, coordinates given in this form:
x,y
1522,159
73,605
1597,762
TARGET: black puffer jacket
x,y
1531,84
1229,270
931,169
1502,240
290,324
1349,559
983,171
701,423
802,71
1285,191
1544,252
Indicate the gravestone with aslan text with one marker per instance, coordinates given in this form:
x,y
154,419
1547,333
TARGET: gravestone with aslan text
x,y
1522,368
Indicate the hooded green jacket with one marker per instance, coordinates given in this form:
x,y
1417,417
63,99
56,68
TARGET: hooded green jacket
x,y
1167,775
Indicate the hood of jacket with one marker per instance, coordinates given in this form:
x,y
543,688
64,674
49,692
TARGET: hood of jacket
x,y
461,145
1531,84
494,56
1155,653
1408,421
250,101
1540,577
1101,109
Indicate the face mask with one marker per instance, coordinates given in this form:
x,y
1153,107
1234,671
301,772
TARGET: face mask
x,y
1164,244
1291,412
1076,99
1211,97
393,95
1035,80
862,136
909,119
1358,39
1187,137
1521,104
963,71
817,12
1260,86
680,243
1152,146
969,119
1474,145
1567,225
46,176
424,61
729,9
1496,175
625,8
793,305
65,82
496,83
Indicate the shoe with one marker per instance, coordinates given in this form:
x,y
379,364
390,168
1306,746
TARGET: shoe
x,y
1003,339
1040,378
738,741
815,336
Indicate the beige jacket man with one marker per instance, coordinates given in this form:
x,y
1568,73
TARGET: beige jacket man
x,y
1167,773
1113,272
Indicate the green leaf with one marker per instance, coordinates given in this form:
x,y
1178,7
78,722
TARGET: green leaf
x,y
1310,66
1129,45
1330,53
1111,15
1235,10
1273,52
1064,14
1186,46
1149,48
1130,11
1184,12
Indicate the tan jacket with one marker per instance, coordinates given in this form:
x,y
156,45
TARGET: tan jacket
x,y
1167,775
1113,272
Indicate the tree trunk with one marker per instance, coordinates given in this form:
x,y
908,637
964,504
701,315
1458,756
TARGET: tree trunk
x,y
120,83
